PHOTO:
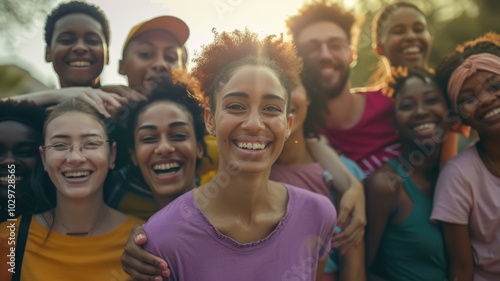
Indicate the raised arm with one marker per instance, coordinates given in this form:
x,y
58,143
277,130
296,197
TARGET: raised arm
x,y
104,102
351,209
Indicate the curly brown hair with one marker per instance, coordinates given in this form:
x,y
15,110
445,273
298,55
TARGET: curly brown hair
x,y
399,76
230,50
325,10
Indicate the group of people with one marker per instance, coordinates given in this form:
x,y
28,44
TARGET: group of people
x,y
261,162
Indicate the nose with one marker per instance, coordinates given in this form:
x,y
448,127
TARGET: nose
x,y
80,46
164,147
324,52
7,158
421,110
160,65
485,97
75,155
410,34
254,122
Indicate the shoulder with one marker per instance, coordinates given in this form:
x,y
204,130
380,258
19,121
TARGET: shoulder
x,y
173,214
307,200
465,166
385,181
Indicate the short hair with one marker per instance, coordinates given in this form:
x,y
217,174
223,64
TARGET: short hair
x,y
385,14
178,88
76,7
230,50
23,111
324,10
488,43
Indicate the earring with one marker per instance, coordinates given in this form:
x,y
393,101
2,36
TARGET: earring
x,y
212,133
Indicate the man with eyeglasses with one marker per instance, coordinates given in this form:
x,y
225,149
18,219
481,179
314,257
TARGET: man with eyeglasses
x,y
358,122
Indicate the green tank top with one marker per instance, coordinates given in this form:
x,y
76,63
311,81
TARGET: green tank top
x,y
413,250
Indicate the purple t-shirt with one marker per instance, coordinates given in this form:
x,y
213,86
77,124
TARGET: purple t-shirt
x,y
195,250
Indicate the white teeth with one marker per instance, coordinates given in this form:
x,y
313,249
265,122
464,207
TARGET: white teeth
x,y
492,113
79,63
426,126
411,50
6,179
166,166
76,174
249,145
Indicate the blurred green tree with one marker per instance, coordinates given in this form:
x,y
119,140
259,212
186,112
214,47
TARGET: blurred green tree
x,y
19,19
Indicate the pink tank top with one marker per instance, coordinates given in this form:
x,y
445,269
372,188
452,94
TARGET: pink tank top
x,y
373,140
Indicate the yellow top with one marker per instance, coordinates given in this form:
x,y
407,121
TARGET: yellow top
x,y
63,257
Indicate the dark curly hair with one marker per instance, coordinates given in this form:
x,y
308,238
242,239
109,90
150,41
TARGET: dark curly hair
x,y
76,7
230,50
181,89
399,75
23,111
324,10
488,43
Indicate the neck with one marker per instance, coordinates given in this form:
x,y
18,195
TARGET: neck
x,y
80,217
295,150
238,194
164,200
490,147
345,110
422,160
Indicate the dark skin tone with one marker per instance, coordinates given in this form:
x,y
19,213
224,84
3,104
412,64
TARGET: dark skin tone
x,y
418,103
297,153
479,95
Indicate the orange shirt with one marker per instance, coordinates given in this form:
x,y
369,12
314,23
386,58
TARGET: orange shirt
x,y
63,257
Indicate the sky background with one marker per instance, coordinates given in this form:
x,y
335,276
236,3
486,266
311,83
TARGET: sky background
x,y
261,16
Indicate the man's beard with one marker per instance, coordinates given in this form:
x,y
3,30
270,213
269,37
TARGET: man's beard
x,y
312,80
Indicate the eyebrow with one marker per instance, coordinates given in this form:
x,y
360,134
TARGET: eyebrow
x,y
72,33
245,95
489,78
68,137
171,125
486,81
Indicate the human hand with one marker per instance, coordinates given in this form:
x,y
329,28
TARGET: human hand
x,y
126,92
103,102
351,219
140,264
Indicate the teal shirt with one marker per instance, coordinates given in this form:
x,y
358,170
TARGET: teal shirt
x,y
413,250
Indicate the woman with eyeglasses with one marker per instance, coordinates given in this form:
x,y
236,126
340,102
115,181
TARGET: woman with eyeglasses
x,y
73,234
